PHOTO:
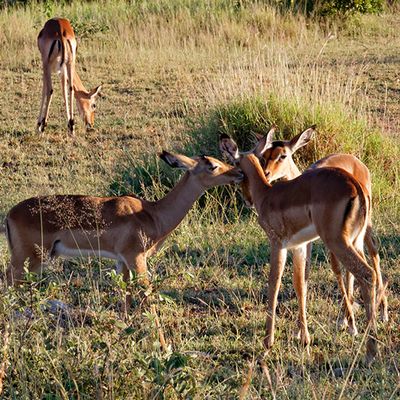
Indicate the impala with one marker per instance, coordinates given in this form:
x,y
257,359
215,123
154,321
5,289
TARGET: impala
x,y
327,203
57,45
126,228
278,163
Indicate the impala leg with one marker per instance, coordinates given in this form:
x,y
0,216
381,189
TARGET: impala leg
x,y
70,70
47,93
300,286
373,253
278,259
139,264
15,270
348,314
350,257
368,294
308,261
65,92
126,303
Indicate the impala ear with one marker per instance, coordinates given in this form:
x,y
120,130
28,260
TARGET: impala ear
x,y
96,92
302,139
229,148
265,143
177,160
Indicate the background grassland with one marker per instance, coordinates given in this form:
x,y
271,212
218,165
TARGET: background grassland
x,y
176,74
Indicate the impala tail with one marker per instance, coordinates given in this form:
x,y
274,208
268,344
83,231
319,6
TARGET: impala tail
x,y
61,47
356,216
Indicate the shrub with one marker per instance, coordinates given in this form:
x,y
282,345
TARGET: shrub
x,y
338,131
332,7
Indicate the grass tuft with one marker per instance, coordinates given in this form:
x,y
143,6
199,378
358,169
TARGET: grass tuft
x,y
176,74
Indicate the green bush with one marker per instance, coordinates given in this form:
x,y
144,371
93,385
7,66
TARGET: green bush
x,y
332,7
337,132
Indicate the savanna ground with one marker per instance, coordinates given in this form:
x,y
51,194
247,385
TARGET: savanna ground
x,y
175,75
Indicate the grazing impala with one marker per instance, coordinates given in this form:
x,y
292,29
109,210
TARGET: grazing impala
x,y
327,203
278,163
126,228
57,45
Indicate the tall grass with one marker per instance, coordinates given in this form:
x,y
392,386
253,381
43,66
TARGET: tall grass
x,y
176,74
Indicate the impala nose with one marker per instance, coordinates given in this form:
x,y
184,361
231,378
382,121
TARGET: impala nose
x,y
89,127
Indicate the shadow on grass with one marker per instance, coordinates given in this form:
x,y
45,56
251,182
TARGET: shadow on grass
x,y
216,298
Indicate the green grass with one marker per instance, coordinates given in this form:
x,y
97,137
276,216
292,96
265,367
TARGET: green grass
x,y
175,75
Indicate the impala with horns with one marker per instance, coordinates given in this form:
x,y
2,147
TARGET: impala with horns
x,y
126,228
327,203
57,45
277,162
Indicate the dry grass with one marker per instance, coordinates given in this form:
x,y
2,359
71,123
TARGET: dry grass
x,y
175,74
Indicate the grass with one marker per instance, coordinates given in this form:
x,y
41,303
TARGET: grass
x,y
176,74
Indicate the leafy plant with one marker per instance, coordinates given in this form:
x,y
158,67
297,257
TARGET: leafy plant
x,y
332,7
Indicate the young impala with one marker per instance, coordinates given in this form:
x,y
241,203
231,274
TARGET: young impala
x,y
126,228
327,203
277,162
57,45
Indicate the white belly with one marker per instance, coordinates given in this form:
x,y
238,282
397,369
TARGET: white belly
x,y
61,250
305,235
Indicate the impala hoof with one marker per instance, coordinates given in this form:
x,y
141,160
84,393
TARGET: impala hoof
x,y
268,343
352,330
384,315
303,338
342,323
71,127
41,126
372,350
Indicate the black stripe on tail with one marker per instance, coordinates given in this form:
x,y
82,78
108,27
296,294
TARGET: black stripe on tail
x,y
70,47
348,209
60,47
362,211
52,47
62,53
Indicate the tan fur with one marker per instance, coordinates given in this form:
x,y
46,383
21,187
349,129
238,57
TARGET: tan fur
x,y
327,203
57,45
126,228
278,163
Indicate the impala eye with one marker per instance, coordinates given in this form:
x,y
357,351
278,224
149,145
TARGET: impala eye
x,y
283,156
93,106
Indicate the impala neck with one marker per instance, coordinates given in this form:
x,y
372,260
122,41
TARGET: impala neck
x,y
293,171
170,210
258,184
78,85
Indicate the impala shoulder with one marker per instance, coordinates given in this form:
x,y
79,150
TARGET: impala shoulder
x,y
125,205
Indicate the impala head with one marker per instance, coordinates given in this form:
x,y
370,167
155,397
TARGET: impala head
x,y
207,170
230,149
86,102
277,161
